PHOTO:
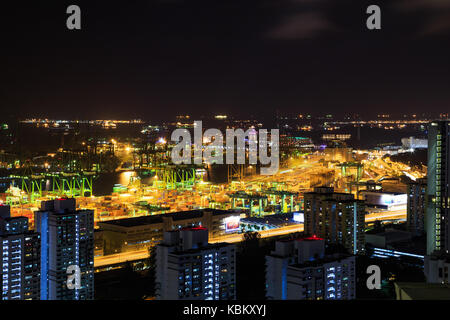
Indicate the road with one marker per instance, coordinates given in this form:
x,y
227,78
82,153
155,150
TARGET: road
x,y
233,238
120,257
386,215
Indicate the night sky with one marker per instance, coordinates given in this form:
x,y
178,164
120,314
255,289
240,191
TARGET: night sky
x,y
157,58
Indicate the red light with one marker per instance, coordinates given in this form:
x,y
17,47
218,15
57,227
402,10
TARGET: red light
x,y
193,228
314,237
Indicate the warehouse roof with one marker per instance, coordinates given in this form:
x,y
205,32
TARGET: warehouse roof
x,y
176,216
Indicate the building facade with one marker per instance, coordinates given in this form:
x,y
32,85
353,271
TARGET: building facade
x,y
384,200
438,187
330,279
416,205
140,233
188,268
20,252
276,269
436,268
336,217
300,270
67,239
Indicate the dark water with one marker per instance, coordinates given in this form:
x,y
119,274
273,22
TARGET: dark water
x,y
103,184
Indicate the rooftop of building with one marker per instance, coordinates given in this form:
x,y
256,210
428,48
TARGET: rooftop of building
x,y
334,200
390,234
311,238
419,181
301,238
193,228
134,222
272,219
382,192
61,206
208,246
337,257
329,194
66,211
424,291
14,218
176,216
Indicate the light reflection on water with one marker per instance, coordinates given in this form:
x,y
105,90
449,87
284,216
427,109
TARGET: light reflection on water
x,y
103,185
124,177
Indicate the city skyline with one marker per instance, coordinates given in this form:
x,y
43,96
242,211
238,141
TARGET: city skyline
x,y
233,150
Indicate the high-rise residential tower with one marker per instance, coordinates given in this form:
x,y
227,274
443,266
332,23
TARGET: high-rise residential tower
x,y
438,188
437,226
416,205
336,217
188,268
20,253
67,242
299,269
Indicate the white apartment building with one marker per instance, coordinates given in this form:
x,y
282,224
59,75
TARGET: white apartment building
x,y
188,268
299,269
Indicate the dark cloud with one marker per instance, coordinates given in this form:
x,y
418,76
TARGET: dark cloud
x,y
304,19
308,1
411,5
301,26
157,58
435,13
438,25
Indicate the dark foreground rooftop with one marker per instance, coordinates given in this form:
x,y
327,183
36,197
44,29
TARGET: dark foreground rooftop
x,y
176,216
